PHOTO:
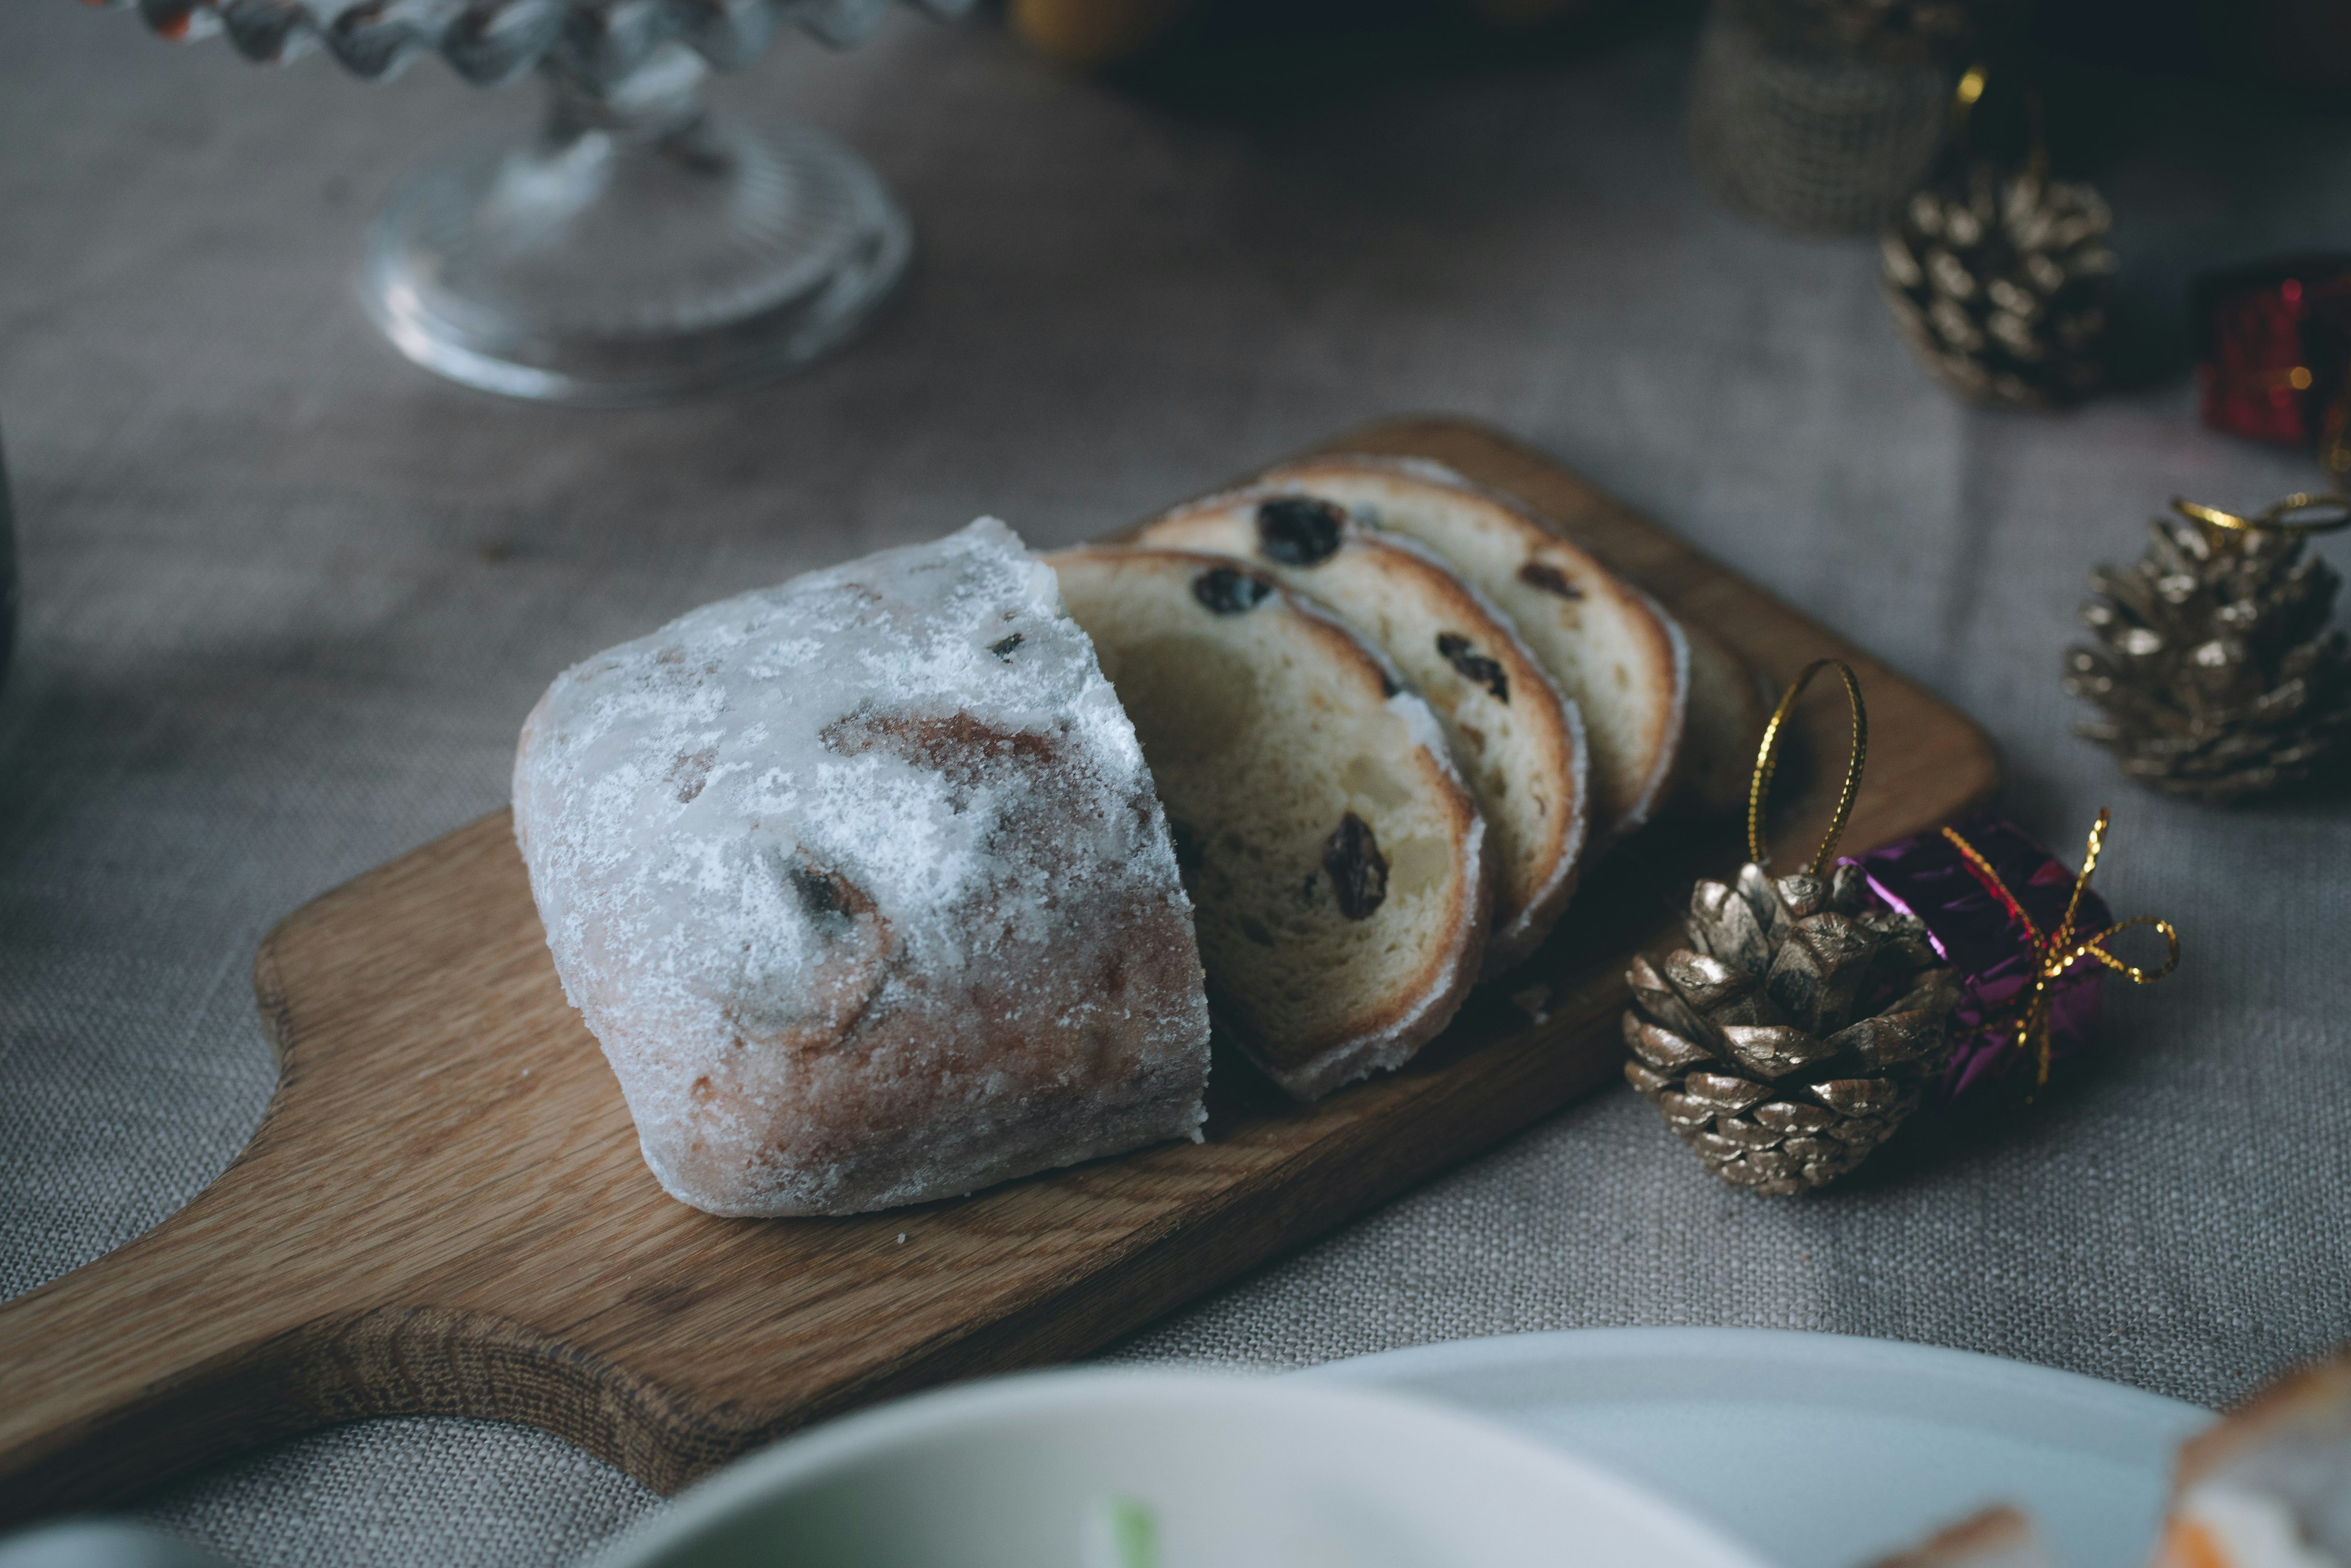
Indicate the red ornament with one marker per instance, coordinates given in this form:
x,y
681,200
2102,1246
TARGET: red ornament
x,y
2274,355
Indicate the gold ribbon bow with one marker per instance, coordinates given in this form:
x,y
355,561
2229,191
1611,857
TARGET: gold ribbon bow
x,y
2062,949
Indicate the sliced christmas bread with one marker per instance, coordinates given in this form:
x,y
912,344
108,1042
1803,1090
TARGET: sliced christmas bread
x,y
1616,654
1336,863
1518,742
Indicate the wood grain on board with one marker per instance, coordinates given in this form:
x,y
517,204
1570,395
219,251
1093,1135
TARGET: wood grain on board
x,y
443,1210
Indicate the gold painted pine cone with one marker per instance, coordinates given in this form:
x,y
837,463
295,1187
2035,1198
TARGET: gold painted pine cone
x,y
2215,669
1794,1034
1997,278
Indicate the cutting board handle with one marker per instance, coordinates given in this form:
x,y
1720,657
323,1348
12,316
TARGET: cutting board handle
x,y
153,1360
323,1278
142,1363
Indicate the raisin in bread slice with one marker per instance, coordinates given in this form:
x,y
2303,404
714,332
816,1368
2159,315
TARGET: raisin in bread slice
x,y
1518,742
1336,862
862,884
1619,656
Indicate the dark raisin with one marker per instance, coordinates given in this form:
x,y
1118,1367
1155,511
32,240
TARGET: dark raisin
x,y
1003,650
820,895
1229,591
1550,579
1256,933
1463,655
1299,531
1359,873
834,905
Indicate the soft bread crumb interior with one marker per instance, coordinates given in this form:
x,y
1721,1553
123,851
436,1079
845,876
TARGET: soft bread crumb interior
x,y
1261,742
1597,638
1520,751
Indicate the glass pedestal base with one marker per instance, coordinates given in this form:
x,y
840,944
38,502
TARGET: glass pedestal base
x,y
638,250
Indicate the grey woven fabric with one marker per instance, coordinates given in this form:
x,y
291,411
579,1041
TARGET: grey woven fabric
x,y
286,599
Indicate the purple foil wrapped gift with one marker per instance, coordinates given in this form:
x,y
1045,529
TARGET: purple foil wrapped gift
x,y
1996,957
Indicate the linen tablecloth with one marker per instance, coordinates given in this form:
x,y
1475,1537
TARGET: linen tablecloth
x,y
286,599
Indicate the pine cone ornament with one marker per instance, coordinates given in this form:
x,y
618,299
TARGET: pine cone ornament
x,y
1795,1032
2215,666
1998,278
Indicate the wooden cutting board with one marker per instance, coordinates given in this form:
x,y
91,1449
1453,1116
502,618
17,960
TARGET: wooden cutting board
x,y
443,1211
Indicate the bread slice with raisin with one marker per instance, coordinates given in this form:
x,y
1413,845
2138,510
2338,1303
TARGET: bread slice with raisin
x,y
1618,655
1336,863
1516,740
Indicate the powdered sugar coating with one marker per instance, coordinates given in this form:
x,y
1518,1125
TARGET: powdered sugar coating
x,y
863,885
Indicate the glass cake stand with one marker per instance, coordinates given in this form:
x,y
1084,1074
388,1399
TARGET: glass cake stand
x,y
636,247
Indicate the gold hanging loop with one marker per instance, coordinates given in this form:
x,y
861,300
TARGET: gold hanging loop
x,y
2280,518
1766,759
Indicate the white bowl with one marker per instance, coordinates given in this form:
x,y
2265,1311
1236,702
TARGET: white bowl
x,y
1146,1470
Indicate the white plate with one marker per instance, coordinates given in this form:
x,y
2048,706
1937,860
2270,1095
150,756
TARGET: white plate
x,y
1819,1450
1152,1469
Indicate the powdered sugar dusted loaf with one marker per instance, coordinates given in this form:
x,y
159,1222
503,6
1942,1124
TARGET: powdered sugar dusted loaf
x,y
862,882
